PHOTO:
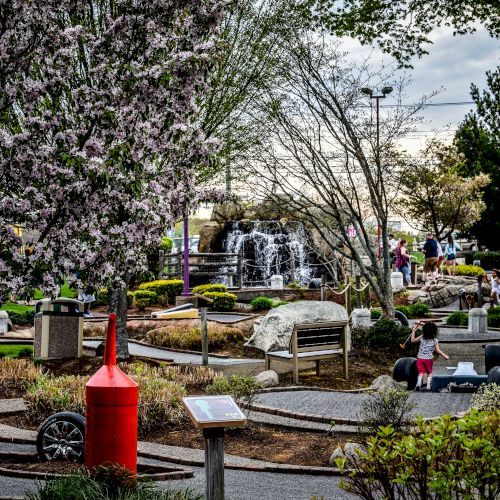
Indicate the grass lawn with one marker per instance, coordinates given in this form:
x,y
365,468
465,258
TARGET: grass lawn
x,y
66,291
18,308
12,351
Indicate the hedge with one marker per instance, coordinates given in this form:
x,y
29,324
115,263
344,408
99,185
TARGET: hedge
x,y
21,318
210,287
103,298
144,298
165,290
489,260
494,317
465,270
414,310
384,335
458,318
261,303
223,301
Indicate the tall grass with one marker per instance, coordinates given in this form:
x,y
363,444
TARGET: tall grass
x,y
189,337
17,374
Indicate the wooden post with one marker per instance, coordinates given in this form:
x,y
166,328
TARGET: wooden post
x,y
292,265
345,354
347,294
240,270
295,358
323,287
161,263
358,292
480,291
204,336
214,463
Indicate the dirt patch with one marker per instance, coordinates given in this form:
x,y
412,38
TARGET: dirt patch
x,y
261,443
363,368
45,467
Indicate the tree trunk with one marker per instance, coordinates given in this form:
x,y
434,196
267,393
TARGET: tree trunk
x,y
386,297
119,306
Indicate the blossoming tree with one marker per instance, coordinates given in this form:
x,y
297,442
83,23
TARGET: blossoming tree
x,y
99,142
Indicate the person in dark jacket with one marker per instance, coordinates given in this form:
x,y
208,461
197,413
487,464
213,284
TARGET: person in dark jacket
x,y
430,250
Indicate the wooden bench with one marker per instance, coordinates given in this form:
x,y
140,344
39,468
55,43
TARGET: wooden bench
x,y
313,342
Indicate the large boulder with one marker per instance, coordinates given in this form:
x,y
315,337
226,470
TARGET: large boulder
x,y
209,233
385,382
352,452
273,333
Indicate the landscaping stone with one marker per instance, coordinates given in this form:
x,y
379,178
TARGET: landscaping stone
x,y
268,378
4,322
349,451
273,333
478,320
386,382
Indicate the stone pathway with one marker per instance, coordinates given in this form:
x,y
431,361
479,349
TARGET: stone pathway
x,y
137,349
347,405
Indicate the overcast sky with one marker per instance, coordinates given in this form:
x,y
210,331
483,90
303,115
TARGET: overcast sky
x,y
452,63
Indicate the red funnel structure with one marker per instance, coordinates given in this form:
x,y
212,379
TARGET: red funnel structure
x,y
112,412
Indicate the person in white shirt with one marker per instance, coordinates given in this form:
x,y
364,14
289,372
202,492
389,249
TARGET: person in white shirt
x,y
393,243
495,287
440,260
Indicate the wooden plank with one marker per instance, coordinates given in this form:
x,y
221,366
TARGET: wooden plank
x,y
295,358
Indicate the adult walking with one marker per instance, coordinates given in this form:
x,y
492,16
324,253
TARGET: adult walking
x,y
403,260
430,250
450,250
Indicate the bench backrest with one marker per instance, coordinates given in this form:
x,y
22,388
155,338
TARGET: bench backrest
x,y
318,336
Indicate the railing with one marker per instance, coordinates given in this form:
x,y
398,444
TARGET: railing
x,y
207,265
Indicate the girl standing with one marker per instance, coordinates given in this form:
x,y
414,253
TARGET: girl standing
x,y
450,250
425,356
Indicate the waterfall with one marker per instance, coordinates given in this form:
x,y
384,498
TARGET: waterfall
x,y
268,248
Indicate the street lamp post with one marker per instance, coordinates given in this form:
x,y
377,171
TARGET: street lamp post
x,y
377,96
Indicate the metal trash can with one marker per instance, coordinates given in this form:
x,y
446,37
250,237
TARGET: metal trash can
x,y
58,328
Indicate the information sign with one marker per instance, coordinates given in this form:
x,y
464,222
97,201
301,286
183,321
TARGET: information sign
x,y
214,411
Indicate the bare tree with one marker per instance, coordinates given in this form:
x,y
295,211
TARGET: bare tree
x,y
322,157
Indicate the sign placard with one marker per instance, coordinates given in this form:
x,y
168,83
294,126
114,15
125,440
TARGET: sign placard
x,y
214,411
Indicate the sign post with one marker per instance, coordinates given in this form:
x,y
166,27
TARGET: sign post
x,y
202,303
212,414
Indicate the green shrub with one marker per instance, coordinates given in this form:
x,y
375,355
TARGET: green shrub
x,y
458,318
439,459
242,387
21,318
419,310
25,352
489,260
210,287
387,407
144,299
494,317
279,303
404,309
375,313
385,335
130,299
487,398
465,270
105,483
166,244
165,290
261,303
102,297
222,301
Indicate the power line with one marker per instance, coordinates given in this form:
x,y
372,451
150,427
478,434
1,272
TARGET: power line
x,y
430,104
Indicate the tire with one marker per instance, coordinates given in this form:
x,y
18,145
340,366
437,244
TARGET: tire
x,y
491,356
494,375
401,318
61,437
405,370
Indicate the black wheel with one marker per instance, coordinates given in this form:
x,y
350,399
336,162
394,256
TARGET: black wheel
x,y
491,356
405,370
494,375
61,437
401,318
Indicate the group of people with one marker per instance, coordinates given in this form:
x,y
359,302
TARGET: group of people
x,y
434,256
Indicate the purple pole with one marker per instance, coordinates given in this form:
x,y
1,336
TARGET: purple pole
x,y
186,292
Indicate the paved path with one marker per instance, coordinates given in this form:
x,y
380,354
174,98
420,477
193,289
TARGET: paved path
x,y
345,405
137,349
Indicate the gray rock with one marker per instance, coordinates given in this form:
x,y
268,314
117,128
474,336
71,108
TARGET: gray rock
x,y
351,451
268,378
274,331
386,382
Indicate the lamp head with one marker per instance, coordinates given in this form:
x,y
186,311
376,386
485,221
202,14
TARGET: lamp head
x,y
366,91
386,90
